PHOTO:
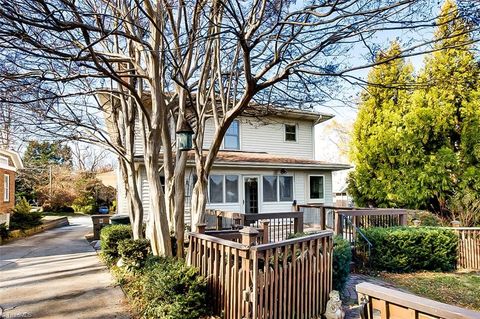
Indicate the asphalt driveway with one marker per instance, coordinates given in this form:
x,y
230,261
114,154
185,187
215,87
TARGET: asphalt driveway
x,y
57,274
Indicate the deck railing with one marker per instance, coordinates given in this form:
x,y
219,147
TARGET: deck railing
x,y
385,303
278,225
287,279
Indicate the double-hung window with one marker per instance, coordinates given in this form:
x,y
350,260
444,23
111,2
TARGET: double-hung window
x,y
290,132
6,188
232,137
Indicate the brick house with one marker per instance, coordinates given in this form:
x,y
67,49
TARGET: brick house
x,y
10,162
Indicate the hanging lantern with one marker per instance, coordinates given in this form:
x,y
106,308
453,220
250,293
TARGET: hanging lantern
x,y
184,137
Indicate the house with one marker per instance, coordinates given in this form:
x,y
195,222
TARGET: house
x,y
10,162
266,163
341,197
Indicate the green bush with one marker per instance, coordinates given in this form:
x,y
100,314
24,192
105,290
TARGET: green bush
x,y
110,237
342,257
169,289
407,249
3,231
133,252
23,218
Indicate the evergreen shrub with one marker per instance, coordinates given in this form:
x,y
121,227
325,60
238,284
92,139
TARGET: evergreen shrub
x,y
23,218
408,249
134,252
169,289
110,237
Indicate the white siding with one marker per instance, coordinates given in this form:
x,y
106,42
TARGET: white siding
x,y
144,192
268,135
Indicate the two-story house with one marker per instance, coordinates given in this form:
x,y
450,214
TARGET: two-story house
x,y
10,162
265,164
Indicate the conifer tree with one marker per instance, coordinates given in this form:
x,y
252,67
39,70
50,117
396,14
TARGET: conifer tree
x,y
434,151
376,132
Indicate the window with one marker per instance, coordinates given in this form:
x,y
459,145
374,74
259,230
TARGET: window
x,y
285,188
220,193
269,188
290,133
216,188
316,187
6,188
232,137
231,188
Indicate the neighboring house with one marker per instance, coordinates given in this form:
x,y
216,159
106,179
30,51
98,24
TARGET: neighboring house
x,y
265,164
108,178
10,162
341,198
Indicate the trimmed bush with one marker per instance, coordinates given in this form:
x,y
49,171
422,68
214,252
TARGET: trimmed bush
x,y
3,231
23,218
133,252
110,237
407,249
169,289
342,257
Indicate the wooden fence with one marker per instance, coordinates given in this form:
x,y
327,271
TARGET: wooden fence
x,y
287,279
385,303
468,247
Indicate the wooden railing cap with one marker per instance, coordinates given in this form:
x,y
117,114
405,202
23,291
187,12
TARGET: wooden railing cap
x,y
248,230
421,304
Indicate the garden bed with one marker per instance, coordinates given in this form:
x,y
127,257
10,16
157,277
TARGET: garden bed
x,y
457,288
48,222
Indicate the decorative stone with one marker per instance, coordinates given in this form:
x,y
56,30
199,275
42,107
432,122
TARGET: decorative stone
x,y
334,309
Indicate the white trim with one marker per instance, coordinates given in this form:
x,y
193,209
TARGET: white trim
x,y
15,157
8,167
315,200
6,190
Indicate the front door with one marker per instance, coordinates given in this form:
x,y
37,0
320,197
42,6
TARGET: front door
x,y
250,198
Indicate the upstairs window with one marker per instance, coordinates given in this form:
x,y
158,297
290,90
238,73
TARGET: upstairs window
x,y
316,187
232,137
6,188
290,133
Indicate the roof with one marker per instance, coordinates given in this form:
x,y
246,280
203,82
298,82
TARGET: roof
x,y
266,160
15,157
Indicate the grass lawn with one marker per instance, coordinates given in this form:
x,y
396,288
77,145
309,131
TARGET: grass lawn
x,y
456,288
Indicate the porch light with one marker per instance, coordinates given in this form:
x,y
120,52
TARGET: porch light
x,y
184,137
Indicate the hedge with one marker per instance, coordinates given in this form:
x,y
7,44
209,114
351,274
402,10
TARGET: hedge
x,y
110,237
408,249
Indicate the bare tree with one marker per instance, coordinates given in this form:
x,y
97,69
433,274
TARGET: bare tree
x,y
159,64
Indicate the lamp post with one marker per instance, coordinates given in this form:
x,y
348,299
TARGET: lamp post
x,y
184,137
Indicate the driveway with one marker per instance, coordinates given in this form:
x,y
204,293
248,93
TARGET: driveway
x,y
57,274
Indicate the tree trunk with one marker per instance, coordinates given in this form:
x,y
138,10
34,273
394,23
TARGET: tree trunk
x,y
134,202
199,200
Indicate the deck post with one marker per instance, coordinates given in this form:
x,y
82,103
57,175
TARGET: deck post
x,y
265,223
298,223
338,223
323,218
249,237
403,219
219,221
201,228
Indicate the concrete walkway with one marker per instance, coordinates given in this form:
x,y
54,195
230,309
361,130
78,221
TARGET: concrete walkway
x,y
56,274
